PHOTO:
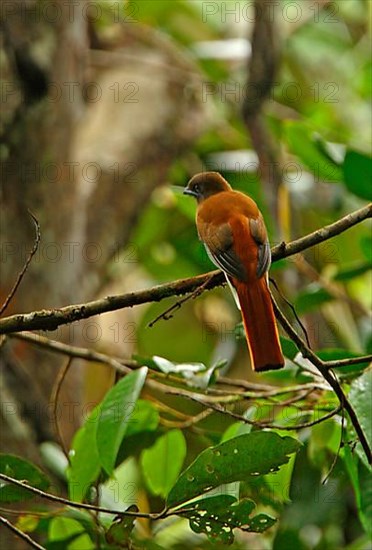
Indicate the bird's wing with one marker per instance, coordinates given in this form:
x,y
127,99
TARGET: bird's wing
x,y
219,244
259,234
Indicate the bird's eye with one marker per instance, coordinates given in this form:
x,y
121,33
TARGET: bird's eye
x,y
196,188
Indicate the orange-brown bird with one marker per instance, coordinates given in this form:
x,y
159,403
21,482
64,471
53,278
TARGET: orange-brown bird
x,y
232,229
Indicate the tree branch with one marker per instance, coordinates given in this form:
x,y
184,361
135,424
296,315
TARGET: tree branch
x,y
211,402
328,375
73,504
53,318
124,366
21,534
337,363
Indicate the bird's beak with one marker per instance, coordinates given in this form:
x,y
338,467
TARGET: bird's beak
x,y
190,192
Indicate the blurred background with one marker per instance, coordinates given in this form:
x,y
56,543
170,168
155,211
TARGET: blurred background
x,y
108,108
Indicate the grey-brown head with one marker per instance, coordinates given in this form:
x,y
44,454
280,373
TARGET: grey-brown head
x,y
203,185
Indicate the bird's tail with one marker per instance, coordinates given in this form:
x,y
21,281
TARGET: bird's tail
x,y
259,324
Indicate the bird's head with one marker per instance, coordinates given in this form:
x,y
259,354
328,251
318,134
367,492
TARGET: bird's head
x,y
203,185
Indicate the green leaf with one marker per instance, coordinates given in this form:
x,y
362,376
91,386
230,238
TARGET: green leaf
x,y
353,272
360,398
365,511
68,542
288,538
279,483
122,489
162,463
20,469
217,516
360,479
247,455
117,410
289,349
324,439
366,247
85,464
69,532
133,445
235,429
311,299
358,174
306,148
145,419
260,523
27,523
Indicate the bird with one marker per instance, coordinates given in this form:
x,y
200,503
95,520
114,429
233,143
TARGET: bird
x,y
233,231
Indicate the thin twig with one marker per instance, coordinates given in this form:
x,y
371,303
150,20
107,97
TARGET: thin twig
x,y
37,514
75,351
299,397
243,384
190,421
54,400
303,424
338,450
163,407
21,534
66,502
336,363
53,318
328,375
124,366
208,400
167,314
218,408
293,310
25,267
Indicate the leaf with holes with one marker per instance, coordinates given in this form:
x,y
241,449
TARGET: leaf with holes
x,y
217,516
259,523
237,459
